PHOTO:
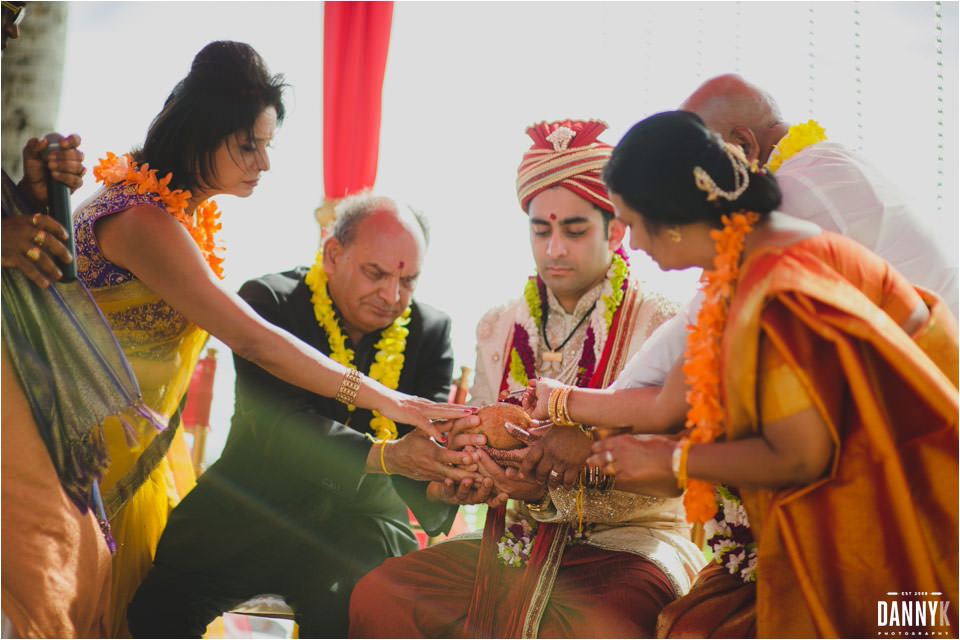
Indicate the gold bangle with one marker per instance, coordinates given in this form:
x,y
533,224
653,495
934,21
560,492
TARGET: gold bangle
x,y
349,386
539,507
383,444
681,453
562,413
552,405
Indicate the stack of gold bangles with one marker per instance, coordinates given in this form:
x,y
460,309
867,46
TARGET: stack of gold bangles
x,y
557,407
349,386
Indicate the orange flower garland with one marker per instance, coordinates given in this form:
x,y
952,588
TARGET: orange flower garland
x,y
702,356
122,169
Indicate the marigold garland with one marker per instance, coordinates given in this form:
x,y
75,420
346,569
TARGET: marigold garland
x,y
798,138
702,356
123,170
728,533
388,359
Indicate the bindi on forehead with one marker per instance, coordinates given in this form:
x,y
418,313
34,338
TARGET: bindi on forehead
x,y
553,216
400,265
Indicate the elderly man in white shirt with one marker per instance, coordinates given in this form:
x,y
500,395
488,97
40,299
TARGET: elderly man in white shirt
x,y
824,183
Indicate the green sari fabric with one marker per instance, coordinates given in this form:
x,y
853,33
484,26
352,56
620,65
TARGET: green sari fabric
x,y
70,368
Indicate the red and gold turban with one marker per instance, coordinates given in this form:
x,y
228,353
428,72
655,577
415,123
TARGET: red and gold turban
x,y
566,154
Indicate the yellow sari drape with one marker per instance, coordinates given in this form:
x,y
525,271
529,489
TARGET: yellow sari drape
x,y
884,519
149,470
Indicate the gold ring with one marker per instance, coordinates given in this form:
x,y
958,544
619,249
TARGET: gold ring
x,y
40,236
33,253
35,219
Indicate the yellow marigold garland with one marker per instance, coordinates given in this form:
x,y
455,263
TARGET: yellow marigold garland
x,y
702,356
388,360
122,169
798,138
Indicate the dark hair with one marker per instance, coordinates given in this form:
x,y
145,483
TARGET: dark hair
x,y
607,218
651,169
227,89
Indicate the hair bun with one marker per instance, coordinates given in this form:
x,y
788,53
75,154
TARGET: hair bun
x,y
218,65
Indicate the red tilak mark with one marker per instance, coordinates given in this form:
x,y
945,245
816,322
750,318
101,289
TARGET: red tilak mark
x,y
400,266
553,216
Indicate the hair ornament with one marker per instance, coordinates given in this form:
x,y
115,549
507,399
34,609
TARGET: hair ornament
x,y
741,176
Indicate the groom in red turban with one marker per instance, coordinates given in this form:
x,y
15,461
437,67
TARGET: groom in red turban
x,y
562,561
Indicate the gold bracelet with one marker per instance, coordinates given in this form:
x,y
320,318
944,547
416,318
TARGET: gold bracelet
x,y
539,507
383,444
557,408
681,453
349,386
552,405
562,407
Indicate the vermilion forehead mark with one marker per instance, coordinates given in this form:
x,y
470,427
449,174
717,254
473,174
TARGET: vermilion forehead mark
x,y
553,216
400,265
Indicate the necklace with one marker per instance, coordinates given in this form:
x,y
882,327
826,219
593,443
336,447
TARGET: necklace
x,y
702,355
556,355
388,360
123,170
798,138
521,358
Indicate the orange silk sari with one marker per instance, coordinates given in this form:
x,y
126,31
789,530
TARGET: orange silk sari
x,y
883,520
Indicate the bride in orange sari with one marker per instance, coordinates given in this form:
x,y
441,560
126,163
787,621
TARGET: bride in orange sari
x,y
820,388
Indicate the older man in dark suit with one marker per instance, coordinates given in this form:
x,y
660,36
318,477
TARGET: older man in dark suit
x,y
309,494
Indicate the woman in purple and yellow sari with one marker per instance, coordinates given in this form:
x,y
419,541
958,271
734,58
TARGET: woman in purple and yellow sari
x,y
145,249
821,391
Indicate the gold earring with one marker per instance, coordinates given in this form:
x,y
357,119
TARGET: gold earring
x,y
674,234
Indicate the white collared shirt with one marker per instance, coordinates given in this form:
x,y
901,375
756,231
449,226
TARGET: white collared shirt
x,y
833,187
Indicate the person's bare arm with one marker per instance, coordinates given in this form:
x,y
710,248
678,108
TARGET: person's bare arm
x,y
646,409
792,451
156,248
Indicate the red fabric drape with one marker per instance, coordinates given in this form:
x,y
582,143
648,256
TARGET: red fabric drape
x,y
355,40
196,411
